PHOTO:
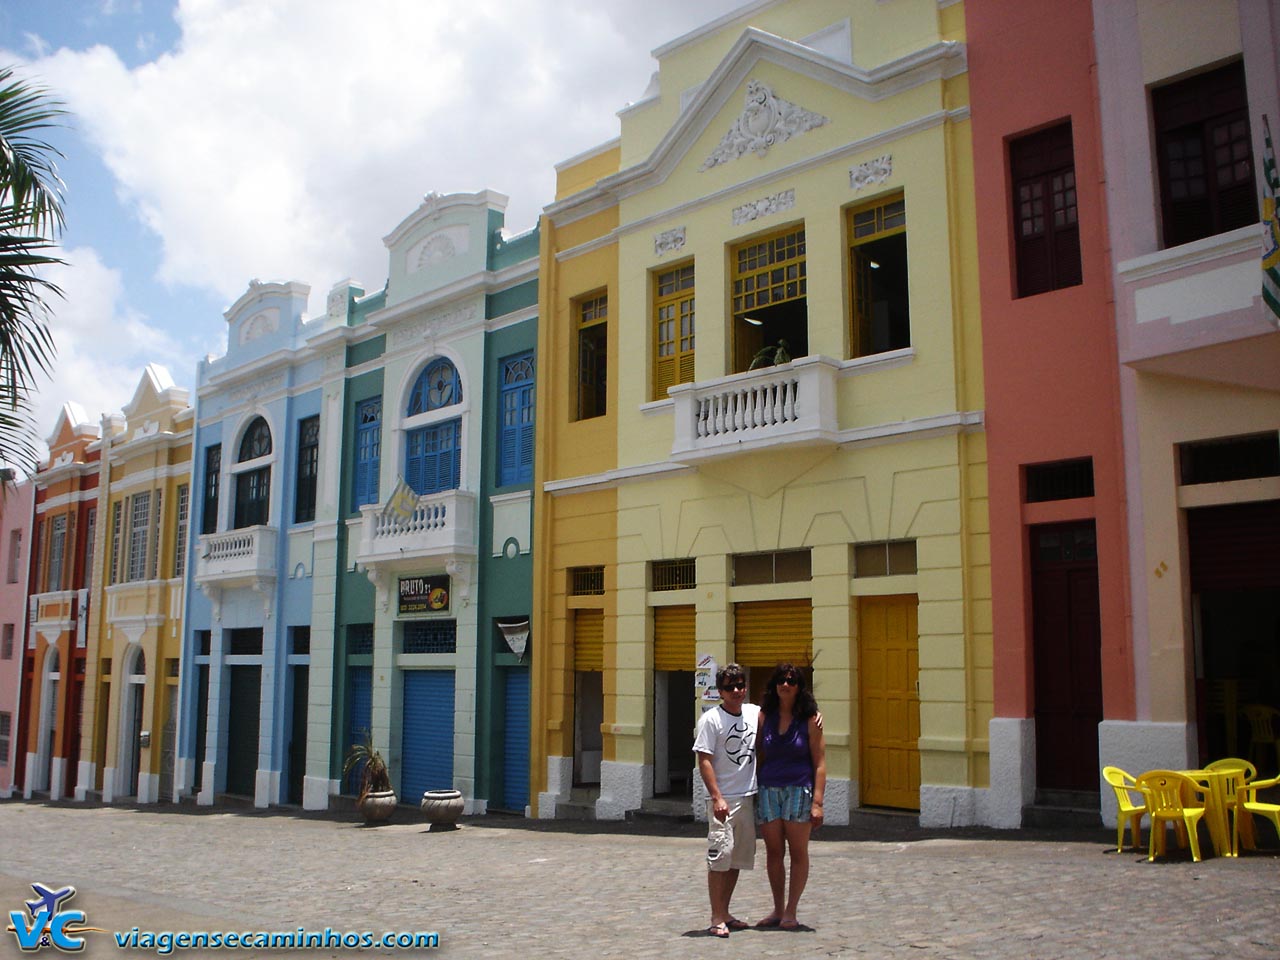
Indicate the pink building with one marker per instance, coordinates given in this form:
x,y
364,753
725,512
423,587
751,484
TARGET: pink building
x,y
1184,86
15,544
1062,654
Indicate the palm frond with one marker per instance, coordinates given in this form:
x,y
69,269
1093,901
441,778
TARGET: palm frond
x,y
29,180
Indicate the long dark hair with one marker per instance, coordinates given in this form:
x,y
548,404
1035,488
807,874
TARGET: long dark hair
x,y
805,706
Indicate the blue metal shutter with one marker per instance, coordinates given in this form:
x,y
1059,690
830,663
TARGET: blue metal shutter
x,y
515,735
359,716
368,450
427,747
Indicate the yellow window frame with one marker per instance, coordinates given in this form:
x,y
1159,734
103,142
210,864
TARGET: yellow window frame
x,y
764,271
875,220
674,328
590,310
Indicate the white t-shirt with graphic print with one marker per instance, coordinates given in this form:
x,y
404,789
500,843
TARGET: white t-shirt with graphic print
x,y
731,741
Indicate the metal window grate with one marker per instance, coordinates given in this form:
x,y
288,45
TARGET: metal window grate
x,y
431,636
674,574
1230,458
204,642
1065,480
106,666
245,642
884,558
586,581
359,639
300,640
171,667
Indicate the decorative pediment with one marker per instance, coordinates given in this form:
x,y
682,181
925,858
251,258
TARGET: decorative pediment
x,y
766,119
440,246
260,324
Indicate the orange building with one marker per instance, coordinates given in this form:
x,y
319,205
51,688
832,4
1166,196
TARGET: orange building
x,y
1063,662
53,663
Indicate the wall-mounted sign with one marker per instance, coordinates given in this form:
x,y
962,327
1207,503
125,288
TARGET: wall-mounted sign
x,y
704,678
424,594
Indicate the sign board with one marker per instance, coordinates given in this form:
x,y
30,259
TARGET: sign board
x,y
704,678
424,594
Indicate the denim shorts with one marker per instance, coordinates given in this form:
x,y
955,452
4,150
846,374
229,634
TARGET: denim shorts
x,y
784,803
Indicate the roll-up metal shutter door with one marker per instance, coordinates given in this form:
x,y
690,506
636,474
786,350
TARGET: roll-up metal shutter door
x,y
427,744
242,729
515,747
770,632
359,717
588,640
1235,547
673,638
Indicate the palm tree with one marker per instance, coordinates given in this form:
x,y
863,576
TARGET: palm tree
x,y
30,221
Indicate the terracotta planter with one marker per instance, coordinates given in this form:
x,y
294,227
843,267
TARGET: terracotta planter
x,y
442,808
378,806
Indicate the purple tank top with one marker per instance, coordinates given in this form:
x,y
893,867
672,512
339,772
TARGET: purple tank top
x,y
787,760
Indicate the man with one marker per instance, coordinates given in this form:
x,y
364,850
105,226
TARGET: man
x,y
725,746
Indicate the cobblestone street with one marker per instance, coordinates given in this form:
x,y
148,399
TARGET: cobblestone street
x,y
510,888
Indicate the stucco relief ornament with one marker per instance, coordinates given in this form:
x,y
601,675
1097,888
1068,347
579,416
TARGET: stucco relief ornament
x,y
872,172
766,119
668,241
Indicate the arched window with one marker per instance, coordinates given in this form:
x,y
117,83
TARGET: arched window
x,y
515,438
437,386
256,442
253,487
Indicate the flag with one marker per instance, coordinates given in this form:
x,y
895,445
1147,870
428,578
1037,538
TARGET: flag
x,y
1270,226
401,504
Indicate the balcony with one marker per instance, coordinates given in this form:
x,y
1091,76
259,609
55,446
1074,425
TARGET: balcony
x,y
791,404
442,525
1196,311
244,557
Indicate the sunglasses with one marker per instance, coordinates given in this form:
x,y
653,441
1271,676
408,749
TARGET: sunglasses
x,y
735,686
788,682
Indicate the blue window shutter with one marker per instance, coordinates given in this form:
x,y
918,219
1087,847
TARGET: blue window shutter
x,y
414,462
368,450
515,430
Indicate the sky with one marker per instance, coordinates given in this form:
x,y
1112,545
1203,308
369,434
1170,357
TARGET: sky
x,y
211,142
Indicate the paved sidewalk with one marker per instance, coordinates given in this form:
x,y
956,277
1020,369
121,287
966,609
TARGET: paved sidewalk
x,y
501,888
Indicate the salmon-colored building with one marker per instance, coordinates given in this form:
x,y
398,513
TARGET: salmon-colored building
x,y
53,665
1063,662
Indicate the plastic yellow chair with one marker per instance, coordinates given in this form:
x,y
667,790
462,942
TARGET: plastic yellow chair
x,y
1250,805
1231,776
1164,791
1264,721
1125,786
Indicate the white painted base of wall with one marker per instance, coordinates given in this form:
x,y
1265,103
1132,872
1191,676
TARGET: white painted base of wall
x,y
835,802
266,787
316,792
559,783
57,778
183,778
1137,746
30,768
1013,770
622,787
148,787
6,793
475,808
108,784
87,774
205,797
945,806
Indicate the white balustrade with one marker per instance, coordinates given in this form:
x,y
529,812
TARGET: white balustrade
x,y
791,403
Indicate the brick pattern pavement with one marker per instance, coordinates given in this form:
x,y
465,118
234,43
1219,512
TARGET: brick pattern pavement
x,y
499,888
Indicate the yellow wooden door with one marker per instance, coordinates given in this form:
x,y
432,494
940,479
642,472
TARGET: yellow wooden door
x,y
888,667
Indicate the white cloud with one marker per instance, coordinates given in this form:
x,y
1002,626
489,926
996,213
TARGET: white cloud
x,y
282,140
103,345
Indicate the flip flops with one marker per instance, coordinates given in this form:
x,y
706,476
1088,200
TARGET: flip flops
x,y
720,930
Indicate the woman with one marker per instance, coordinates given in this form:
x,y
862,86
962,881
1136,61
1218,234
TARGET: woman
x,y
792,772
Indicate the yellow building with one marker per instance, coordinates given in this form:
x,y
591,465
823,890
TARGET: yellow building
x,y
792,465
135,619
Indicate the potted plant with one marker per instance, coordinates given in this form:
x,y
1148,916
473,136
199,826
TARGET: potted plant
x,y
771,355
376,800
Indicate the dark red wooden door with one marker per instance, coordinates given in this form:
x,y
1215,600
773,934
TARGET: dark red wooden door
x,y
1068,649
